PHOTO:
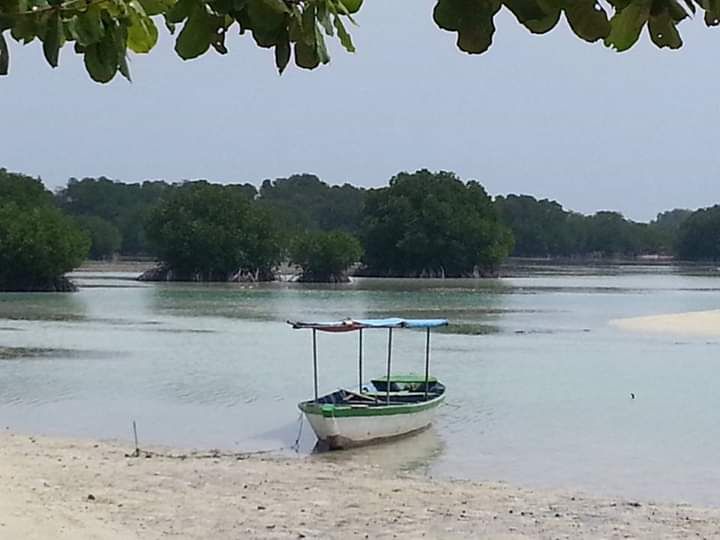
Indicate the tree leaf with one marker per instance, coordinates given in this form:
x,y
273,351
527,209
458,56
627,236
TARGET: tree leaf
x,y
101,60
219,42
268,16
471,19
282,53
712,12
308,25
343,36
663,31
677,12
124,68
142,32
52,40
323,17
626,25
306,55
88,26
25,29
587,19
525,10
691,6
197,34
320,46
156,7
352,6
542,26
536,15
180,11
4,56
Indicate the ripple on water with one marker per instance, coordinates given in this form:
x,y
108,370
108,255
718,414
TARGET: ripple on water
x,y
17,353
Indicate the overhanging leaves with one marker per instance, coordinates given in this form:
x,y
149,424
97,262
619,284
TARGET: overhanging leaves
x,y
87,28
197,34
627,23
538,16
101,60
471,19
102,30
52,39
142,32
663,31
343,35
282,53
4,56
587,19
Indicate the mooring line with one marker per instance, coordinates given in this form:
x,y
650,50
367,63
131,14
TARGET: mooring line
x,y
215,454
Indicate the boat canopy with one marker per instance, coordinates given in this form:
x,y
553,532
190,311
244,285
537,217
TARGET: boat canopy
x,y
349,325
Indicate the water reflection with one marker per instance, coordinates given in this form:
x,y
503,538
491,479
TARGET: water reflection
x,y
411,454
41,307
13,353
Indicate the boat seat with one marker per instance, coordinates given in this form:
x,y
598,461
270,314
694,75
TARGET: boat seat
x,y
403,396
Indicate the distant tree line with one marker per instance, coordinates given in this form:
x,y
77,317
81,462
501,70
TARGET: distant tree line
x,y
422,224
543,228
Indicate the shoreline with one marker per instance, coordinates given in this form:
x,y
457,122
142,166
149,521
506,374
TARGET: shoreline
x,y
85,489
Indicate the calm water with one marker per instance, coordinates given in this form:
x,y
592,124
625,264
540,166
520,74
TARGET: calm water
x,y
538,381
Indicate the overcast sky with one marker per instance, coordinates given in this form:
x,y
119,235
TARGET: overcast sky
x,y
549,116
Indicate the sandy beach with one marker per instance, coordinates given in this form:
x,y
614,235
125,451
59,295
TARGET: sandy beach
x,y
72,489
693,323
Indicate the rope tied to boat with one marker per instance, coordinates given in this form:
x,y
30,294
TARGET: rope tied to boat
x,y
296,446
214,454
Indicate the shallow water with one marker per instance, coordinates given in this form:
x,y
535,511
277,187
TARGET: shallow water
x,y
538,383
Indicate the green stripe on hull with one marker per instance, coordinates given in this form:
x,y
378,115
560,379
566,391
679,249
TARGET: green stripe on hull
x,y
343,411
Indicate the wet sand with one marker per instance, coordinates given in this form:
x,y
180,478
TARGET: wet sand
x,y
693,323
61,488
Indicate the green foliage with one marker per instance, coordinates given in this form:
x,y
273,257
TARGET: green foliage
x,y
699,235
304,202
124,206
105,238
211,232
22,190
432,224
325,256
617,23
103,31
38,244
671,220
544,229
541,228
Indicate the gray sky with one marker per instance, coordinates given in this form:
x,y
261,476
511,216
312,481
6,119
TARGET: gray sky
x,y
549,116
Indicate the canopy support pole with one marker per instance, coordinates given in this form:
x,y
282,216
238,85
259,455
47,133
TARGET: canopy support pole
x,y
427,361
389,356
315,367
360,360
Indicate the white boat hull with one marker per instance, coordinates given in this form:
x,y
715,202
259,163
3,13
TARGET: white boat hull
x,y
361,426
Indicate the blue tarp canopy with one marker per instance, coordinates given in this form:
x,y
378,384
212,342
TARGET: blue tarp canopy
x,y
349,325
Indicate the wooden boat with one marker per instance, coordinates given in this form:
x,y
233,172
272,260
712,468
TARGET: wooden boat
x,y
390,406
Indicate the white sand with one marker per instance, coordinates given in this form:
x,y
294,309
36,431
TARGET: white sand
x,y
693,323
45,486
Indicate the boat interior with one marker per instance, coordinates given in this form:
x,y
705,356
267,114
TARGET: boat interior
x,y
375,394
